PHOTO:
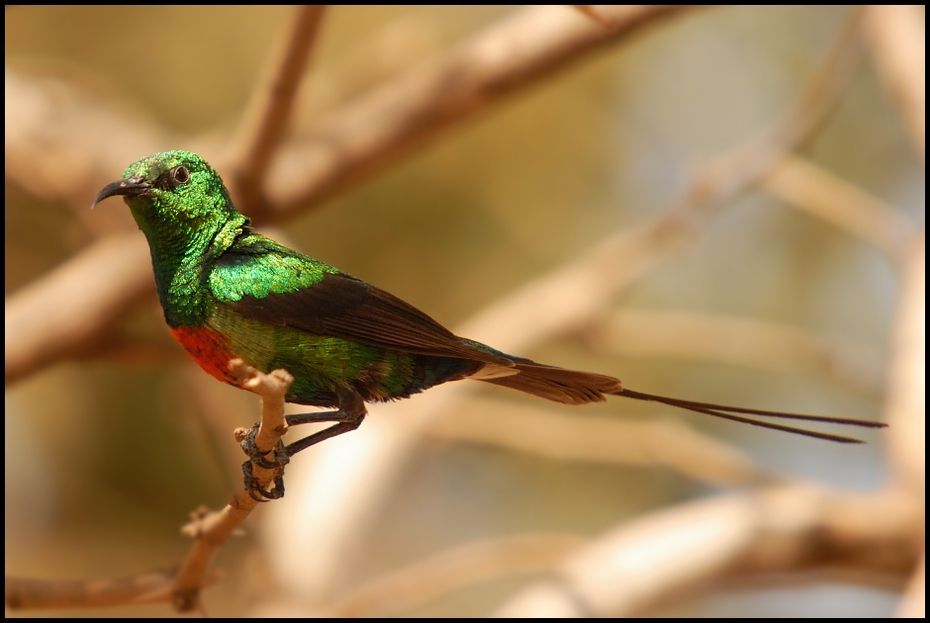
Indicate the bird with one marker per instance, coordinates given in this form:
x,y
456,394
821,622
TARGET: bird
x,y
229,292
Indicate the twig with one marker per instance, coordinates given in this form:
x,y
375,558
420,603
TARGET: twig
x,y
566,298
211,529
633,568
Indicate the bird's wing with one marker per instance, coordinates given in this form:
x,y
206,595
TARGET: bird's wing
x,y
265,281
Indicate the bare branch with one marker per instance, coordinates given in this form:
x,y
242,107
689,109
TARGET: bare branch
x,y
914,604
211,529
592,11
99,287
784,530
566,298
738,341
907,381
154,587
365,135
406,588
64,142
815,191
269,112
660,443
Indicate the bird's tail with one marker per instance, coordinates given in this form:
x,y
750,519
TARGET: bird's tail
x,y
558,384
573,387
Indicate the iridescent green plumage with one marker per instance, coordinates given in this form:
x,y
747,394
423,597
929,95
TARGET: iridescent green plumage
x,y
229,292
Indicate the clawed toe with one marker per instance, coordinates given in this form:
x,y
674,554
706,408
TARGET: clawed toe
x,y
256,491
256,456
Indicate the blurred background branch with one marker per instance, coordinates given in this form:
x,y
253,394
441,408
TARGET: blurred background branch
x,y
899,42
784,530
263,125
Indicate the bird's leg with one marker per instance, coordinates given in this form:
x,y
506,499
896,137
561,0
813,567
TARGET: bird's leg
x,y
351,411
317,417
280,457
348,417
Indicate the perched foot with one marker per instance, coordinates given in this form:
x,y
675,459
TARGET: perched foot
x,y
256,456
349,415
272,388
279,458
256,491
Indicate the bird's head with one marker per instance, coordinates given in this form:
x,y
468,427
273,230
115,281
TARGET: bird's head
x,y
171,194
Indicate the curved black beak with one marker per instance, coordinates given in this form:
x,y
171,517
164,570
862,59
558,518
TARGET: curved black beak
x,y
132,187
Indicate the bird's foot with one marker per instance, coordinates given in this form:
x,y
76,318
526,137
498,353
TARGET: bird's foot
x,y
256,491
279,458
256,456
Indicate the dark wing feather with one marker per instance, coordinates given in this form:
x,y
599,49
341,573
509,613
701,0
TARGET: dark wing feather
x,y
348,308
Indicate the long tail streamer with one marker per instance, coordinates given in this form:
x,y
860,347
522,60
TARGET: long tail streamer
x,y
727,413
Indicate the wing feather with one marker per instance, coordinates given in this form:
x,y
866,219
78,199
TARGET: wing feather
x,y
342,306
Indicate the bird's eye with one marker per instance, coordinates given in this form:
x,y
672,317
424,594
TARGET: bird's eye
x,y
180,175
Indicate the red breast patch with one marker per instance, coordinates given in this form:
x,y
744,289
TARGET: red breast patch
x,y
209,349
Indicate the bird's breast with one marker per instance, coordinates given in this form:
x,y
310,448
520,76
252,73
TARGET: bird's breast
x,y
209,348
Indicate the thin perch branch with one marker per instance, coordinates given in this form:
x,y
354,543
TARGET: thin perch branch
x,y
211,529
208,529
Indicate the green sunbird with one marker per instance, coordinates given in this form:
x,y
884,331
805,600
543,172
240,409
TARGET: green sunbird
x,y
228,292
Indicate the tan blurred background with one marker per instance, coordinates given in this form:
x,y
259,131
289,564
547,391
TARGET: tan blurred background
x,y
107,455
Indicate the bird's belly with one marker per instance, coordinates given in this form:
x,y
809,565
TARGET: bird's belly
x,y
319,364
